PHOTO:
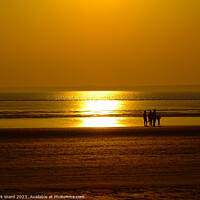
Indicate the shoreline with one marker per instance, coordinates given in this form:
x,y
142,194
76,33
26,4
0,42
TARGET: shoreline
x,y
99,132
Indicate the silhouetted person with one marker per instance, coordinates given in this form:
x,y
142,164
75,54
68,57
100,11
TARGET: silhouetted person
x,y
158,118
150,118
154,117
145,118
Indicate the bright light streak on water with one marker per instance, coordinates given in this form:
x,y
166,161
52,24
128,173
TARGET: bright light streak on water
x,y
49,108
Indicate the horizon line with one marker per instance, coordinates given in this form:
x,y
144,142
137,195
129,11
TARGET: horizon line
x,y
96,87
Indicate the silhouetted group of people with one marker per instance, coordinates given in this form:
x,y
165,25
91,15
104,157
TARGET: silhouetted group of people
x,y
152,117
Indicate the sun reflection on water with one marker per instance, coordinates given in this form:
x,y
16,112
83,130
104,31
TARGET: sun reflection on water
x,y
100,107
100,122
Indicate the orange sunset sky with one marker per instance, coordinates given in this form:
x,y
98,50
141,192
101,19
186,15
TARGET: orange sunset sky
x,y
99,42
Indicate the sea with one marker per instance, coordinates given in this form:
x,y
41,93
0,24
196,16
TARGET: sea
x,y
118,107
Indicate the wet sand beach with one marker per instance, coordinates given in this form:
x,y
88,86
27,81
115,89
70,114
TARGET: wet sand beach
x,y
14,133
102,163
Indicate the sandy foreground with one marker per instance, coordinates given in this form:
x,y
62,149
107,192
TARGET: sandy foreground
x,y
101,163
98,132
